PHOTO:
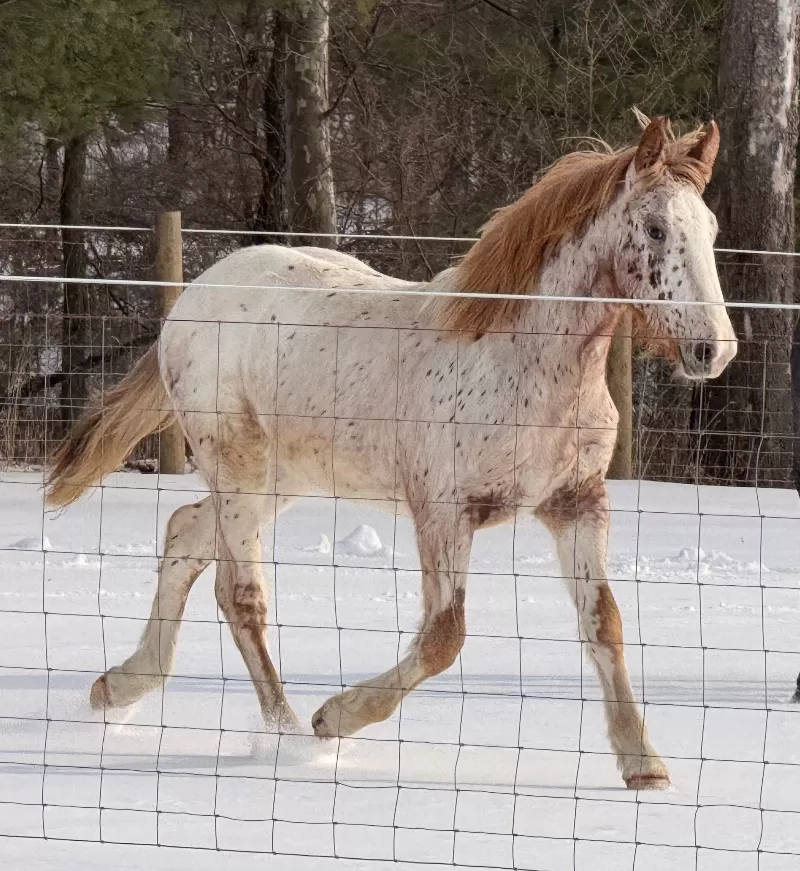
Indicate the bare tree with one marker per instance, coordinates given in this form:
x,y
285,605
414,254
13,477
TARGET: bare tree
x,y
76,333
309,174
270,210
750,412
796,402
427,113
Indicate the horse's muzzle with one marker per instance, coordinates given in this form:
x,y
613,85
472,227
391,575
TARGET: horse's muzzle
x,y
705,358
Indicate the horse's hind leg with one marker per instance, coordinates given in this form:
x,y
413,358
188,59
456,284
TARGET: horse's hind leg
x,y
241,597
579,521
189,548
444,539
235,451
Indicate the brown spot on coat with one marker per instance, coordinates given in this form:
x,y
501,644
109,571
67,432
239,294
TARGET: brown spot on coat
x,y
588,500
608,620
442,638
249,605
487,509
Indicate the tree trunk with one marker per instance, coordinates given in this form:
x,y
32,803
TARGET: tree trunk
x,y
309,176
245,128
52,176
177,158
76,333
749,411
177,176
271,210
796,402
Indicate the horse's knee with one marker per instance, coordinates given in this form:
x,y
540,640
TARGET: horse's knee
x,y
249,603
241,598
442,637
184,531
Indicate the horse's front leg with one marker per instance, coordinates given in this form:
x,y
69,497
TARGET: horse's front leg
x,y
579,519
444,539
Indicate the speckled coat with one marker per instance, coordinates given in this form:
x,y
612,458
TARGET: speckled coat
x,y
303,372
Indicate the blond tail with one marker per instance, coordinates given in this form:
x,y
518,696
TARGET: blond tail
x,y
107,433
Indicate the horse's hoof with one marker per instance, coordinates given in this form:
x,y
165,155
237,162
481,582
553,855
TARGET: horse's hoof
x,y
286,722
648,781
320,726
98,695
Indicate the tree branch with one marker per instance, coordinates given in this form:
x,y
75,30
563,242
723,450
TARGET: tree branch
x,y
88,364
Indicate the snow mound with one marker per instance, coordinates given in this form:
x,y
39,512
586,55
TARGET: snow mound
x,y
717,562
323,547
362,541
688,563
32,543
116,549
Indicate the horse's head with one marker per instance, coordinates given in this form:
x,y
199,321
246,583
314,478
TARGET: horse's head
x,y
666,251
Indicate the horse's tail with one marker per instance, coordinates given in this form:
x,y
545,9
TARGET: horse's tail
x,y
106,433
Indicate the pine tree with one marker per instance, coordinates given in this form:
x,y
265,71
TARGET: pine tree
x,y
69,66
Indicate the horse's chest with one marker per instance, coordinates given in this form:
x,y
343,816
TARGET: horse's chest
x,y
565,437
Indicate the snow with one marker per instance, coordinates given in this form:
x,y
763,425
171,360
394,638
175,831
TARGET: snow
x,y
503,761
363,541
31,543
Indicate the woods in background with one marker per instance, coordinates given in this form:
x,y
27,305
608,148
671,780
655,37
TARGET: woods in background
x,y
414,117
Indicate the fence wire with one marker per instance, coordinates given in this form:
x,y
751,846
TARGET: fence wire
x,y
502,761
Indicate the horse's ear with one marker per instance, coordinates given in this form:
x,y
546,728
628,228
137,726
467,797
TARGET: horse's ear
x,y
707,146
652,144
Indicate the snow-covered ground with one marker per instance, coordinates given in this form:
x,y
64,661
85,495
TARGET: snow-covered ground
x,y
501,762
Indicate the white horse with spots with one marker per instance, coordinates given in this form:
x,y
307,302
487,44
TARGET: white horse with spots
x,y
466,410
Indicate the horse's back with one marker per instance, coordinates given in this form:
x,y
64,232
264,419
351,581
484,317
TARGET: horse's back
x,y
331,255
259,326
275,284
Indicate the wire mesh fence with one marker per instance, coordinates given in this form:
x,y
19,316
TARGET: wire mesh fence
x,y
500,761
711,433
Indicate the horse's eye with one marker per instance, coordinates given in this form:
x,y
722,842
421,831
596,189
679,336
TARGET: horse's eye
x,y
656,233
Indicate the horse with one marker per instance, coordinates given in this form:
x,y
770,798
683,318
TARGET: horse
x,y
465,400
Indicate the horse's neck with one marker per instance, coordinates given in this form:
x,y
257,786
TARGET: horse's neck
x,y
573,334
579,270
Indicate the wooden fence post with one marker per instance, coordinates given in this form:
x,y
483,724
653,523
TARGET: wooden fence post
x,y
169,267
620,385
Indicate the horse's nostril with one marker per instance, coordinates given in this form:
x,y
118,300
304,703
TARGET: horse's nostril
x,y
704,353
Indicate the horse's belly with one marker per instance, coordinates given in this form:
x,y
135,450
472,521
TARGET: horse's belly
x,y
347,458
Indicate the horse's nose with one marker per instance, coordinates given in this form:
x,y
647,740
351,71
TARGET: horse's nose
x,y
703,359
704,354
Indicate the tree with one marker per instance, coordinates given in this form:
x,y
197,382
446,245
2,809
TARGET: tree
x,y
309,174
437,112
69,66
271,208
749,413
795,366
76,336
